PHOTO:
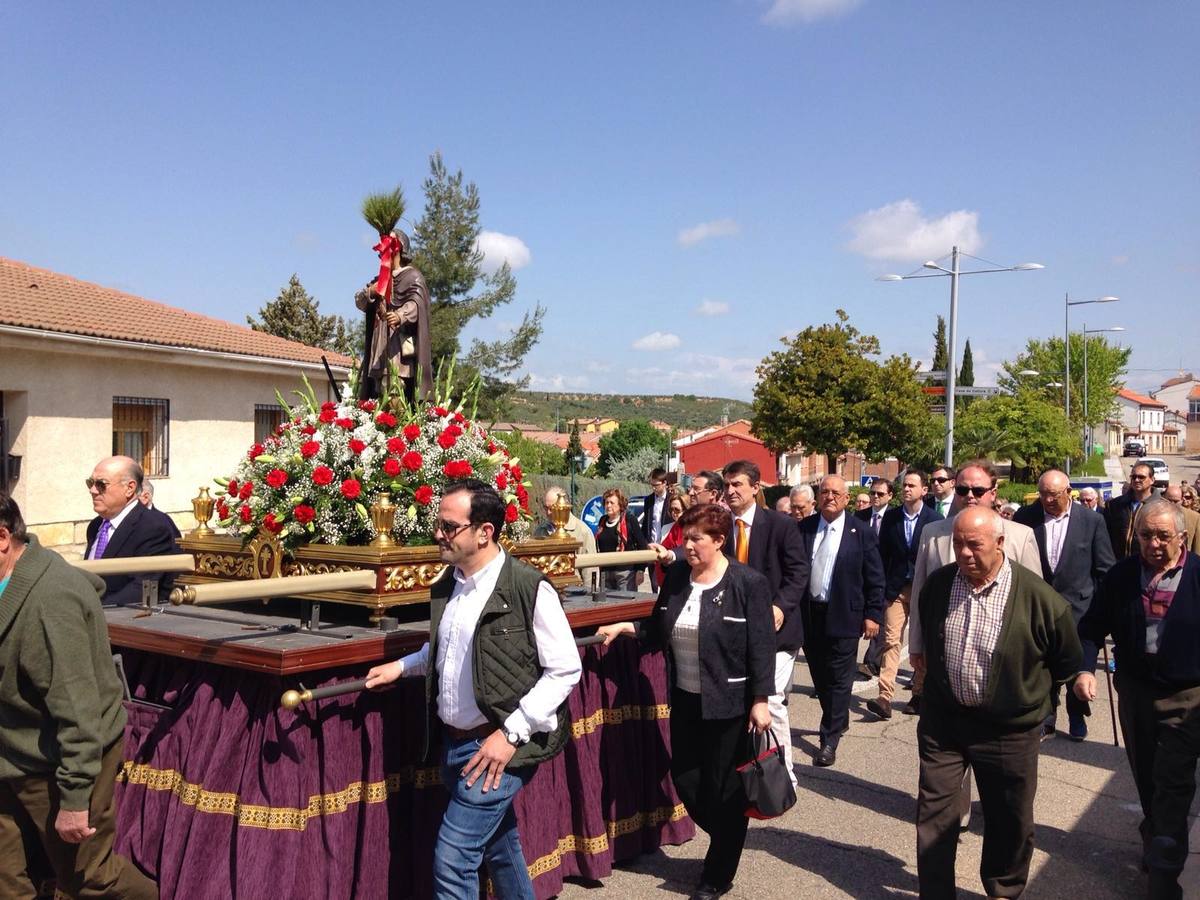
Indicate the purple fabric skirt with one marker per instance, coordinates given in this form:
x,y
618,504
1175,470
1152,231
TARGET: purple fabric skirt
x,y
225,794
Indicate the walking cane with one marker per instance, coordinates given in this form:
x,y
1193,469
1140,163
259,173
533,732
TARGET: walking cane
x,y
1112,706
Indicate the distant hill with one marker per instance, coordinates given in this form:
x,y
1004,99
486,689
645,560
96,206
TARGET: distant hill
x,y
680,410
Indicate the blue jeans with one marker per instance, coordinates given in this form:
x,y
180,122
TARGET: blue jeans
x,y
478,828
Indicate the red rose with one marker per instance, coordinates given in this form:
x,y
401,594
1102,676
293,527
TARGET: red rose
x,y
277,478
457,468
367,406
222,509
322,475
309,430
327,416
446,440
347,423
351,488
440,412
396,445
459,418
232,488
522,494
271,525
516,472
246,513
309,449
304,514
454,430
328,404
491,446
246,491
501,481
511,514
256,450
385,420
391,467
412,431
411,460
423,495
357,446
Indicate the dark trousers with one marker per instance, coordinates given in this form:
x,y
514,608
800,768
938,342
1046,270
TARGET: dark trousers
x,y
1161,727
1076,708
89,869
832,666
704,756
1005,766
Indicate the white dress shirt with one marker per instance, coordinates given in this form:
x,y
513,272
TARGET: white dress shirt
x,y
557,653
831,532
1056,532
113,524
656,515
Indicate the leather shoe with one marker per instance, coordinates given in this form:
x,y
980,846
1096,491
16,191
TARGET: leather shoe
x,y
1078,729
1047,731
880,707
826,756
708,892
914,705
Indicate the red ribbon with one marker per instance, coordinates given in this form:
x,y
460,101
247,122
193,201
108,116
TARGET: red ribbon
x,y
388,246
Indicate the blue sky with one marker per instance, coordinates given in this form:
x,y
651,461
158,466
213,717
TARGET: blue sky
x,y
679,184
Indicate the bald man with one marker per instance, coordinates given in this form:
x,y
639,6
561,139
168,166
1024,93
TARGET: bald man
x,y
124,528
1075,554
575,529
998,641
1173,493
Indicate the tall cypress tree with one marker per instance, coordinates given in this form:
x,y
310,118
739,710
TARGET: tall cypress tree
x,y
941,357
966,375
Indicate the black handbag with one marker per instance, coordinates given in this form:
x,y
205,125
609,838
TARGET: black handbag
x,y
765,779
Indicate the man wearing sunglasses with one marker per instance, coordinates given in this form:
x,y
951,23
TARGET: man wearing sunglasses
x,y
125,528
499,665
941,490
880,494
1121,511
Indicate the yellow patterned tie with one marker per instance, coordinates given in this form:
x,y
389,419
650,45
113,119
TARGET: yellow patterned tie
x,y
743,544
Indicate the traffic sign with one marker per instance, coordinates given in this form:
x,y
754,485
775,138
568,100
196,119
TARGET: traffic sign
x,y
976,391
936,375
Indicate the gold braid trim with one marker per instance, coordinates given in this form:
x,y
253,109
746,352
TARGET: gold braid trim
x,y
618,716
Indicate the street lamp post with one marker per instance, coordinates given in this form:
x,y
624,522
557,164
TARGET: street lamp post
x,y
1067,304
954,272
1087,428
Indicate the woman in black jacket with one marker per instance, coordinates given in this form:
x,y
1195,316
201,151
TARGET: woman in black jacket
x,y
619,531
713,619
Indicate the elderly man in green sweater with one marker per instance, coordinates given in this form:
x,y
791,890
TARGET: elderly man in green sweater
x,y
60,701
997,640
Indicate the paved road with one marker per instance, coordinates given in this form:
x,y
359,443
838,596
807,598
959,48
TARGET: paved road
x,y
851,833
1182,466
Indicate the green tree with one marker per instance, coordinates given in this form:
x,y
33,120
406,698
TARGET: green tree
x,y
636,466
445,249
966,375
296,316
1024,428
536,457
574,446
632,436
1107,364
823,391
941,358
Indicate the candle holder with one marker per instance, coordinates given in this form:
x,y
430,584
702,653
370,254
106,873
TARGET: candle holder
x,y
202,509
383,516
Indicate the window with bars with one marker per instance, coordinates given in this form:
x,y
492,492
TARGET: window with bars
x,y
267,417
141,431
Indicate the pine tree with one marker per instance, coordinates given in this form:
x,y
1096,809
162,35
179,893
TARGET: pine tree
x,y
966,375
446,252
941,357
574,445
296,316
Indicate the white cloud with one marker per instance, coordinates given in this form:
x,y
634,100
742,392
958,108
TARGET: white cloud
x,y
1120,259
657,340
558,382
792,12
712,308
597,367
700,373
705,230
501,248
900,231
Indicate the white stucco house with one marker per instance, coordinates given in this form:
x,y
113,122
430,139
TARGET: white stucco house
x,y
87,371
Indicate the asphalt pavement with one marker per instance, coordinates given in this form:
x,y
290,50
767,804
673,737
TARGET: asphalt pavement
x,y
851,831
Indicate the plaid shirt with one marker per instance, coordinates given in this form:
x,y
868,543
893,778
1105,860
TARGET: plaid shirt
x,y
973,621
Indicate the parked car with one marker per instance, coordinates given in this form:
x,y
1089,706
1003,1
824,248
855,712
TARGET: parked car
x,y
1162,475
1134,447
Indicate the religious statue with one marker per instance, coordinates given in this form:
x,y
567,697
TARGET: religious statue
x,y
396,302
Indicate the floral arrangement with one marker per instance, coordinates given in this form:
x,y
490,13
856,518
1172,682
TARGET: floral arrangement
x,y
315,478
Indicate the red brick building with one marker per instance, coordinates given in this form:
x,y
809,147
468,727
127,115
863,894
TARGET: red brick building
x,y
717,448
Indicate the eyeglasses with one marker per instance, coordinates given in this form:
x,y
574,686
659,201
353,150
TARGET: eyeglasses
x,y
880,494
977,491
829,493
940,480
100,484
449,529
1159,537
1050,495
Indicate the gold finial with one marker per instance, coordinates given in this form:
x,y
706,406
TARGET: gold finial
x,y
292,699
383,516
560,514
202,509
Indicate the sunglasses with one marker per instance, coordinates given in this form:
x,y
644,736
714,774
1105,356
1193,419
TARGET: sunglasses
x,y
449,529
880,494
940,480
100,484
977,491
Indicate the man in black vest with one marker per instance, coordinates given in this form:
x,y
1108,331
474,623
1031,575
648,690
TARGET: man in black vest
x,y
498,666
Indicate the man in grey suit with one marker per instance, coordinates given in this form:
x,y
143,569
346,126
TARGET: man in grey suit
x,y
1075,553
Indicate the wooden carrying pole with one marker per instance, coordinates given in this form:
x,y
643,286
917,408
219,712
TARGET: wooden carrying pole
x,y
259,589
611,560
136,565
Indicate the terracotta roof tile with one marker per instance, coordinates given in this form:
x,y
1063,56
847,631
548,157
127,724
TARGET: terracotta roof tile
x,y
1178,379
40,299
1140,399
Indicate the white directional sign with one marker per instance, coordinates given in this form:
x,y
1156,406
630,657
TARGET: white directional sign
x,y
938,375
976,391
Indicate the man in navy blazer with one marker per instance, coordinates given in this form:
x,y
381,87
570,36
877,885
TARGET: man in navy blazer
x,y
769,543
899,539
842,602
123,528
1076,552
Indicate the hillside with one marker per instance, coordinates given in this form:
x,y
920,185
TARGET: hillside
x,y
679,410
